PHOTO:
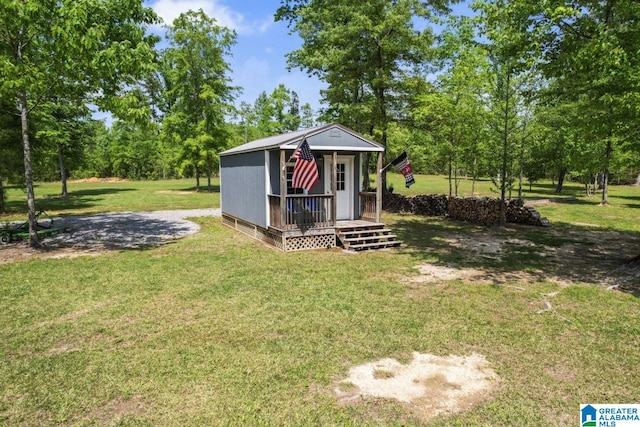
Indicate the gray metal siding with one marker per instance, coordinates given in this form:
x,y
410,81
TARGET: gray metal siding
x,y
242,187
274,171
337,138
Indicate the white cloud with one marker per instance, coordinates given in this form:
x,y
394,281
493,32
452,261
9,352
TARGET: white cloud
x,y
264,25
253,76
169,10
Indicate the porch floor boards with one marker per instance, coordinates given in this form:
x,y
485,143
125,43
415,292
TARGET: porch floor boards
x,y
357,223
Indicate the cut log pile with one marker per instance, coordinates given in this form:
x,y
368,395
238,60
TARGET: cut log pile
x,y
430,204
476,210
482,211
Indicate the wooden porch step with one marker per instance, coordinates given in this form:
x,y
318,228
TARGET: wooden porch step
x,y
377,245
366,237
359,232
376,237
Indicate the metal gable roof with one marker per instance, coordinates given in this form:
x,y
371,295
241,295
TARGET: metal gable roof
x,y
292,139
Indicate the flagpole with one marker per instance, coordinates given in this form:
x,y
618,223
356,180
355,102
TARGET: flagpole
x,y
299,144
391,162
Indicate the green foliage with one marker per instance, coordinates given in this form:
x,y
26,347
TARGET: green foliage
x,y
198,90
370,54
71,49
94,196
588,52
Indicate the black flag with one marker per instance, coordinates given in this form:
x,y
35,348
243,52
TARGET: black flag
x,y
403,165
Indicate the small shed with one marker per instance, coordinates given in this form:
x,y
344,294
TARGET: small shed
x,y
258,199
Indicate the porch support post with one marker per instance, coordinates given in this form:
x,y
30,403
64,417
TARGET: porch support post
x,y
379,188
283,196
334,186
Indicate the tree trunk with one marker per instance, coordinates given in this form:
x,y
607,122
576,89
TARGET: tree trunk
x,y
638,181
366,184
521,172
209,180
2,207
63,173
456,178
522,144
34,242
197,178
561,176
473,173
505,151
605,174
450,184
383,175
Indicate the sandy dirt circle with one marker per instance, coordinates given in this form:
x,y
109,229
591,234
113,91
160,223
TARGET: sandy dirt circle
x,y
429,385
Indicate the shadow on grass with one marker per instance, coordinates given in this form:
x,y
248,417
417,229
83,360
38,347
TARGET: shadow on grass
x,y
569,189
203,188
77,200
560,253
569,200
127,230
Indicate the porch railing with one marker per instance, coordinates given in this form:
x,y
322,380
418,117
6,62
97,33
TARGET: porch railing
x,y
302,212
368,205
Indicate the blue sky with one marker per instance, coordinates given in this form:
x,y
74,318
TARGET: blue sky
x,y
258,61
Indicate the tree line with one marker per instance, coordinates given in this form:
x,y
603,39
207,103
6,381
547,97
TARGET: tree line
x,y
518,92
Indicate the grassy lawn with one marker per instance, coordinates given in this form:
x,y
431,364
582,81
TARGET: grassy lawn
x,y
622,214
217,329
114,196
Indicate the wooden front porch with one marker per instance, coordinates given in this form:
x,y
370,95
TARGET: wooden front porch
x,y
306,212
309,223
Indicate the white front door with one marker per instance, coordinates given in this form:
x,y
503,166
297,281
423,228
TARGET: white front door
x,y
344,185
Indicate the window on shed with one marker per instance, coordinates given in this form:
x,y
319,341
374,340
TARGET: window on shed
x,y
290,189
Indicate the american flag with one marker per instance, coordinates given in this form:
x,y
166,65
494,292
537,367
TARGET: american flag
x,y
305,171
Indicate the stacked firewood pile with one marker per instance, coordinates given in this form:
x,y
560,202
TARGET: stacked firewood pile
x,y
519,214
477,210
429,204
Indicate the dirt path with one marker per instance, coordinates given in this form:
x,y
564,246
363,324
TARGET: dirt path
x,y
95,234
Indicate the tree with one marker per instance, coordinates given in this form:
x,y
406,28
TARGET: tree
x,y
64,127
74,48
453,109
10,167
277,112
589,50
200,90
366,52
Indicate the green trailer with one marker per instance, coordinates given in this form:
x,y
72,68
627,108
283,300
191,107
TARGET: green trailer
x,y
44,228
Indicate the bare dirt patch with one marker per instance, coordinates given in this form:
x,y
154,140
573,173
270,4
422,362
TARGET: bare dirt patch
x,y
525,254
431,273
116,411
94,179
429,385
175,192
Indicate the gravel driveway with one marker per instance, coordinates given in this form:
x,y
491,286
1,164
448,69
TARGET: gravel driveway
x,y
125,229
